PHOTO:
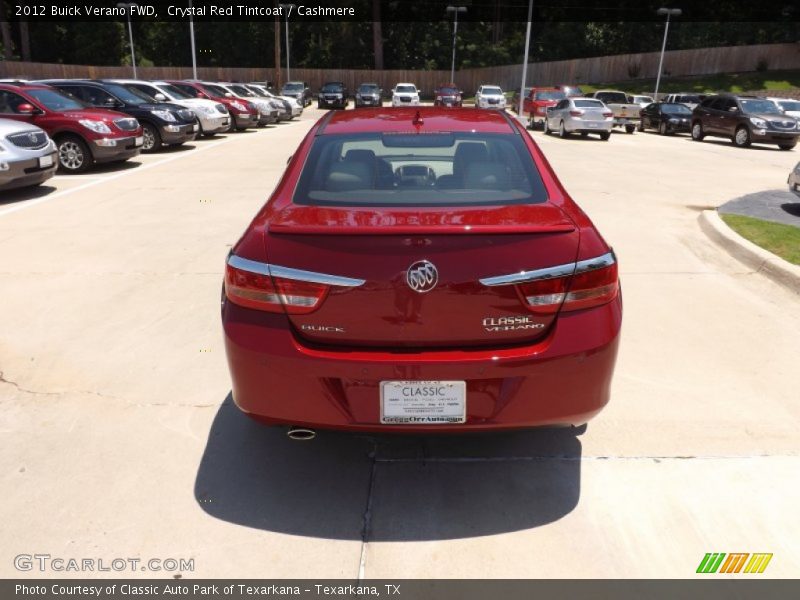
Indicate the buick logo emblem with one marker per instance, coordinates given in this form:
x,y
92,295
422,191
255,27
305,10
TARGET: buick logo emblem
x,y
422,276
33,138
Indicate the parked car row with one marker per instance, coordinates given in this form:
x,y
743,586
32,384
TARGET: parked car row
x,y
72,124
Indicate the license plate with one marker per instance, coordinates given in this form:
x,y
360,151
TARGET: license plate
x,y
45,161
139,141
423,402
592,124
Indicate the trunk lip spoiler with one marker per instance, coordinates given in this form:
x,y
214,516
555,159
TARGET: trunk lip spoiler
x,y
575,268
253,266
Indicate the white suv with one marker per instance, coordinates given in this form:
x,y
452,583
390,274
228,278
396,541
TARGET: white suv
x,y
405,94
490,96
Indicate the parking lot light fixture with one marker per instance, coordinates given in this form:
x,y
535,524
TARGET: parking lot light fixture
x,y
455,10
668,12
288,8
128,6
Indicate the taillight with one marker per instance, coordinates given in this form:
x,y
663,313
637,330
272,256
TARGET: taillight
x,y
576,113
271,288
608,114
588,283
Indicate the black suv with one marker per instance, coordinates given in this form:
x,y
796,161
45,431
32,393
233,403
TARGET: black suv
x,y
332,95
744,120
298,90
162,123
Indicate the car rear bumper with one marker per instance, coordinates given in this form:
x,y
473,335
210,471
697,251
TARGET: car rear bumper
x,y
125,148
22,173
563,379
587,126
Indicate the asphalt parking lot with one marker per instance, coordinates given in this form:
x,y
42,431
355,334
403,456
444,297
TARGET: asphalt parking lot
x,y
120,438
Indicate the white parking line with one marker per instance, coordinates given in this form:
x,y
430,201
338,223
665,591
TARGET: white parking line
x,y
98,179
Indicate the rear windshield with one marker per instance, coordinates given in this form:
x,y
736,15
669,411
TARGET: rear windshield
x,y
612,97
56,100
588,104
550,95
411,169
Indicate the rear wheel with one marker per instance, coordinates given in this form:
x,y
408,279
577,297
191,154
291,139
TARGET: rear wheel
x,y
697,131
152,139
73,154
605,136
787,146
741,139
584,134
662,128
562,133
630,128
641,125
545,128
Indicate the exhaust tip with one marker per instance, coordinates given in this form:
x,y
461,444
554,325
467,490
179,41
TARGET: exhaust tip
x,y
301,433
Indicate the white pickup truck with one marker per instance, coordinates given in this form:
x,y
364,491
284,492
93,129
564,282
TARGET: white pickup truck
x,y
626,114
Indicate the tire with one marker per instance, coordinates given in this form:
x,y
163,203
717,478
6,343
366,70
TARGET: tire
x,y
697,131
584,134
605,136
641,125
545,128
787,146
662,128
562,133
630,128
73,154
152,139
319,106
741,139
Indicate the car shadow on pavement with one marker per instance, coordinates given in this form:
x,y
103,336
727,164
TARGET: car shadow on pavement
x,y
28,193
793,208
386,488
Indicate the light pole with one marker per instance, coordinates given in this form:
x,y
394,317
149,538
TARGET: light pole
x,y
669,12
128,6
525,62
288,8
191,36
455,10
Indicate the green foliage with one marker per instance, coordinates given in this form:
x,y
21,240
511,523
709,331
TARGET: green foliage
x,y
780,239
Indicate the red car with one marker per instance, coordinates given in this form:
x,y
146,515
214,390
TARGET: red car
x,y
244,114
84,136
420,270
537,101
447,94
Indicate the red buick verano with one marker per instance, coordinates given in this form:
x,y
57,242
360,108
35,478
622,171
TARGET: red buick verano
x,y
420,270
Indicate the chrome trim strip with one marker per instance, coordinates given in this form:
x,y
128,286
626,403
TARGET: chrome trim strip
x,y
552,272
237,262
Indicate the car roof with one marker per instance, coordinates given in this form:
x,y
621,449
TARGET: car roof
x,y
405,83
24,86
434,119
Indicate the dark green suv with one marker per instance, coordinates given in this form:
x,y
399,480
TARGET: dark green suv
x,y
744,120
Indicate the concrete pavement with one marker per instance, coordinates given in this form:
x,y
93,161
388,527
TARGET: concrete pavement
x,y
120,439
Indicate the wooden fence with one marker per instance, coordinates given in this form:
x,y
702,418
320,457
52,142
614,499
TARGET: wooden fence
x,y
600,69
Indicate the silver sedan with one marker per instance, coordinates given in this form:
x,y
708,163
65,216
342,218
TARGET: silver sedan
x,y
579,115
27,155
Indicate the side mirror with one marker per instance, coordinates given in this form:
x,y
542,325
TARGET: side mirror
x,y
111,102
733,109
228,95
27,109
159,97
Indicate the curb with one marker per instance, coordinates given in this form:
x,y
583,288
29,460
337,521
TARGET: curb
x,y
780,271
